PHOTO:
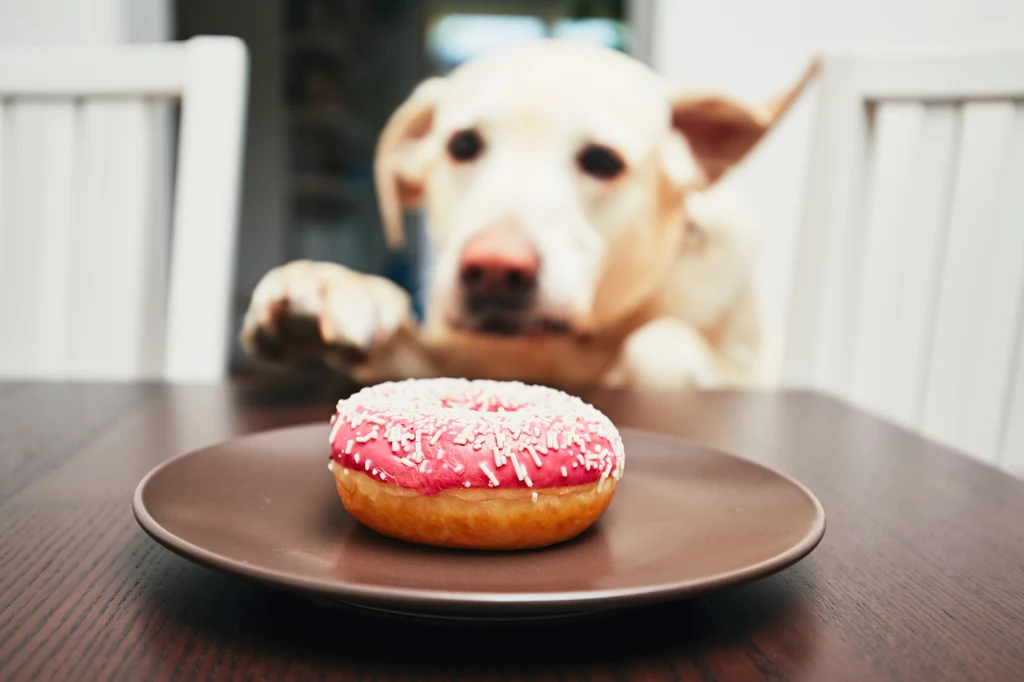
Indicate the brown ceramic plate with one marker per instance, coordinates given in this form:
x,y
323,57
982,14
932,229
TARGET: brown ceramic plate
x,y
684,519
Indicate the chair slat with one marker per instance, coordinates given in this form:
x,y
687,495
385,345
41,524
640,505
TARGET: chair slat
x,y
1010,219
879,315
36,258
905,297
1000,305
975,306
110,241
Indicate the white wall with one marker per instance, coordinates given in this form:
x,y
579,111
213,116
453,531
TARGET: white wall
x,y
753,49
83,22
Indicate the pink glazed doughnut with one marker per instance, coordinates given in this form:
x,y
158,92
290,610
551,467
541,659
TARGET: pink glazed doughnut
x,y
474,464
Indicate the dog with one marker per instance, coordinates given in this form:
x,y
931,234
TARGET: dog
x,y
582,238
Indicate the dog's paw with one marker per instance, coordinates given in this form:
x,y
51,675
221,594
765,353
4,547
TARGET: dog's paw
x,y
664,354
322,310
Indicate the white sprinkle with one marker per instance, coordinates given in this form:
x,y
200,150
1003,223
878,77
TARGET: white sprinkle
x,y
423,466
466,483
541,449
520,471
489,474
382,475
334,430
348,448
536,459
437,434
367,465
459,440
534,497
458,468
356,457
604,476
565,472
529,483
407,463
374,472
394,446
536,432
499,438
575,464
498,459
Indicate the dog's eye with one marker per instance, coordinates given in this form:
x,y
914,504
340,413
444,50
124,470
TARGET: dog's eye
x,y
465,145
601,162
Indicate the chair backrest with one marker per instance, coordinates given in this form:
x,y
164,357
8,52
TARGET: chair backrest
x,y
908,292
103,275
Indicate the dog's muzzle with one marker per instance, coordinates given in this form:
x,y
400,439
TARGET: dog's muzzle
x,y
498,285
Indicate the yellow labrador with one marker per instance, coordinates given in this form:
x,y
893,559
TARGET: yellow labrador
x,y
570,198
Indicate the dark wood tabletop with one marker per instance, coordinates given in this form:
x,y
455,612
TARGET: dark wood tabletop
x,y
920,575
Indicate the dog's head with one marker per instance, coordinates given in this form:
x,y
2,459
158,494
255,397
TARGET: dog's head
x,y
554,179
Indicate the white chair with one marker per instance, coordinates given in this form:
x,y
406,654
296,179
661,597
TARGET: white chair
x,y
908,292
99,277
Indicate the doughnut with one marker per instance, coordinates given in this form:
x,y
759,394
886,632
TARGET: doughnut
x,y
496,465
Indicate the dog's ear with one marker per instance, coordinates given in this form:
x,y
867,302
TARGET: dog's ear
x,y
721,131
400,160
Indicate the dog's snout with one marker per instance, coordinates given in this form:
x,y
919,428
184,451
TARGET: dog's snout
x,y
498,269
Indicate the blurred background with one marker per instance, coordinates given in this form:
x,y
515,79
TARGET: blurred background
x,y
324,75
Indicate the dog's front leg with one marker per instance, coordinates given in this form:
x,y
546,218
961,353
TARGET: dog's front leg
x,y
359,324
665,353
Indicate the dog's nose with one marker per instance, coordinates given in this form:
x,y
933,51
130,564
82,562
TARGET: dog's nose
x,y
499,269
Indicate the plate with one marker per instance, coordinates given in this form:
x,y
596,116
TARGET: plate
x,y
684,520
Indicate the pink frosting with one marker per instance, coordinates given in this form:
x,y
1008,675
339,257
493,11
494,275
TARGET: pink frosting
x,y
431,435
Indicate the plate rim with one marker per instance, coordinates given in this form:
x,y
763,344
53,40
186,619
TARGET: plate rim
x,y
462,601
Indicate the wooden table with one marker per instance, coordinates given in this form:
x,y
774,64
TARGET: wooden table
x,y
920,575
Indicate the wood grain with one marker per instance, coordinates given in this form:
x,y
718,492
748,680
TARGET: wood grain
x,y
920,574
